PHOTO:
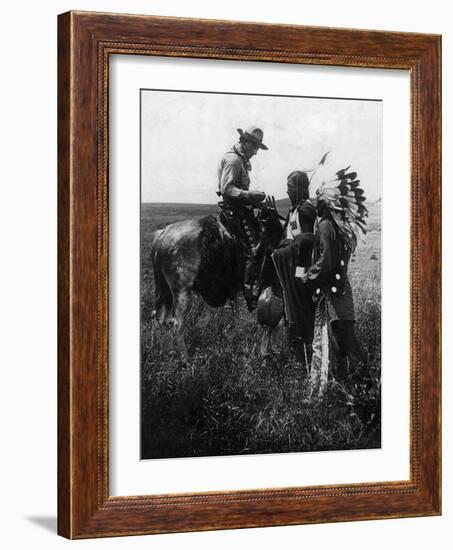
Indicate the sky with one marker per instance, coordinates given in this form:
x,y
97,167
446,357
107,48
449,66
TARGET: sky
x,y
185,134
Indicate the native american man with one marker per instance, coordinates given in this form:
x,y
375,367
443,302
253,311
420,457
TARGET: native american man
x,y
341,219
293,257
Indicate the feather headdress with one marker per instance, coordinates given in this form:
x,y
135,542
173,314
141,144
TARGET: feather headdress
x,y
345,200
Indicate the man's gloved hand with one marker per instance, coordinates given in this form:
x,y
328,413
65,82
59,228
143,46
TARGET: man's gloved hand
x,y
256,197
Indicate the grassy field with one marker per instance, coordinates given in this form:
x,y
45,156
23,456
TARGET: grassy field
x,y
229,400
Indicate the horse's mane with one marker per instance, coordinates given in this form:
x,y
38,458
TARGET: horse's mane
x,y
221,269
219,274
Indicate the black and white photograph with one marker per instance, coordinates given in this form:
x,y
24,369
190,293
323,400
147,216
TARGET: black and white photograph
x,y
260,273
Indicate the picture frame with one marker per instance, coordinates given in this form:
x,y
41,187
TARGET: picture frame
x,y
85,42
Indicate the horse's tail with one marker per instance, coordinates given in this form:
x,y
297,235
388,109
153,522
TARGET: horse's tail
x,y
162,292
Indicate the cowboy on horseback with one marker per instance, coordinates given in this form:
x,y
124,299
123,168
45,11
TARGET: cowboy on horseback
x,y
239,201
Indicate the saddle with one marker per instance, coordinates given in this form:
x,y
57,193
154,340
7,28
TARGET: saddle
x,y
241,223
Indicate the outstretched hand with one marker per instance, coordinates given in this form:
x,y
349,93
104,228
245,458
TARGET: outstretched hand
x,y
270,202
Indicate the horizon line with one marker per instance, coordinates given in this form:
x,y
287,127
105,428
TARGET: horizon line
x,y
216,204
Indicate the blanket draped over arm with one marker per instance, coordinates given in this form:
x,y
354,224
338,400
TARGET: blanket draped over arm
x,y
299,306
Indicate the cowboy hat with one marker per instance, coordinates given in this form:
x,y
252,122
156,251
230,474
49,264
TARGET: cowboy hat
x,y
253,134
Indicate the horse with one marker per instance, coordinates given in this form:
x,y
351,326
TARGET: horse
x,y
202,256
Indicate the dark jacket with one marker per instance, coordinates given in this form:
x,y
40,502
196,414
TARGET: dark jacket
x,y
331,258
328,274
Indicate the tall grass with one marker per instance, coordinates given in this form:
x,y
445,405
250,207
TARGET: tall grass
x,y
228,400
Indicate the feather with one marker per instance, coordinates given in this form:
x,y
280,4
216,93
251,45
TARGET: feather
x,y
345,199
343,188
354,184
323,160
351,175
351,197
341,172
362,210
